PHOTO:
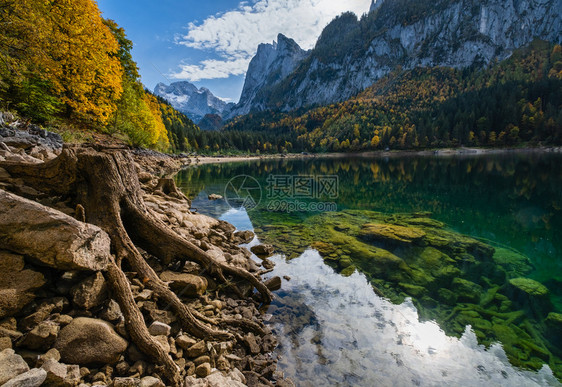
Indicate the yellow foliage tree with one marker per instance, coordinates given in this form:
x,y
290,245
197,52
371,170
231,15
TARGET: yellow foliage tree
x,y
63,48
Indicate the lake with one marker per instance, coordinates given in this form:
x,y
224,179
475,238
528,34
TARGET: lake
x,y
405,270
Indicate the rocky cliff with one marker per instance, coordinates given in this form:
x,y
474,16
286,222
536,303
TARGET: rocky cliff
x,y
193,102
271,64
351,54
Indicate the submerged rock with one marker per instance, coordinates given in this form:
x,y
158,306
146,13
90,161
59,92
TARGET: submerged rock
x,y
529,287
391,233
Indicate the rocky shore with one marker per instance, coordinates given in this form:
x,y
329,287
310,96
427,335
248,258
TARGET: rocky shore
x,y
60,320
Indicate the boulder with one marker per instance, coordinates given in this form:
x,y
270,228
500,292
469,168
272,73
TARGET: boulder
x,y
32,378
18,284
90,341
215,197
263,250
90,293
391,233
51,237
184,284
11,365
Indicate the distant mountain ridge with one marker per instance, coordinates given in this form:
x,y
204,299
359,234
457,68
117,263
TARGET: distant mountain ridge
x,y
352,54
193,102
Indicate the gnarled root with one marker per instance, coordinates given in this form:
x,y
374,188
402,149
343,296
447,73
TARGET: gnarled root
x,y
106,190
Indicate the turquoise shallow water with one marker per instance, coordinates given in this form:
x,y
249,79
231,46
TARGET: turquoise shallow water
x,y
507,201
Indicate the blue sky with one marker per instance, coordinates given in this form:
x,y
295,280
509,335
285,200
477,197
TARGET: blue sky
x,y
210,43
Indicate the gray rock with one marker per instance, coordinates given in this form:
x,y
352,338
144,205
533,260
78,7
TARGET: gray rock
x,y
187,285
31,378
90,341
11,365
51,237
90,293
158,328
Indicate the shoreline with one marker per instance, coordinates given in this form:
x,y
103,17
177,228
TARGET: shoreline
x,y
444,152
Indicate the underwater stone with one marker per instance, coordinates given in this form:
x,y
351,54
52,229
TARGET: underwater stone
x,y
447,297
391,233
531,296
529,286
467,291
554,325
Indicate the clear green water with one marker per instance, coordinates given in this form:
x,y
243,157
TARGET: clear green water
x,y
507,205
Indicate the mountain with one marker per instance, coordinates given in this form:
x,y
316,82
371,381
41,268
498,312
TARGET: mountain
x,y
193,102
351,53
271,64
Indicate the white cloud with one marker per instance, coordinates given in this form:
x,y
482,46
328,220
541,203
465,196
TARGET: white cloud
x,y
212,69
235,35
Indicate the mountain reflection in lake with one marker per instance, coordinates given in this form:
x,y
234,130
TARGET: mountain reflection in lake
x,y
351,337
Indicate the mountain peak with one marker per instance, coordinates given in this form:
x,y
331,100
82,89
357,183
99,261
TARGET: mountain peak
x,y
193,102
271,64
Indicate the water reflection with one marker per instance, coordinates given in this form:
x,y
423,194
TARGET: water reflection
x,y
336,331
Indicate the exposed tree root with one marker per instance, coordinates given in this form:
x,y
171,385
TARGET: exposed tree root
x,y
105,188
